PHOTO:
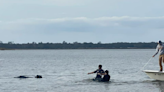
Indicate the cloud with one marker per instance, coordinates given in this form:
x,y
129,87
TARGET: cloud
x,y
85,29
83,22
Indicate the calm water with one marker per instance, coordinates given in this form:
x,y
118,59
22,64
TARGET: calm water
x,y
66,70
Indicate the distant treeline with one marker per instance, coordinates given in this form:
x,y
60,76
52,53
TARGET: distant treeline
x,y
77,45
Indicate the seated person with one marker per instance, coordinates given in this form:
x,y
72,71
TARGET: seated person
x,y
106,77
99,72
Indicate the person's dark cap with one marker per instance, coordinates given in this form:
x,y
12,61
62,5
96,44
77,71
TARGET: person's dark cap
x,y
160,42
107,71
100,66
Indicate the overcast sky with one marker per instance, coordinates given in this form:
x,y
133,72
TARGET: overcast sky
x,y
108,21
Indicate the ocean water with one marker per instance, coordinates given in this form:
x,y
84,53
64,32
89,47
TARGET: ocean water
x,y
66,70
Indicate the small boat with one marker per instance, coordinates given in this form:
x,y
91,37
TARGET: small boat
x,y
154,74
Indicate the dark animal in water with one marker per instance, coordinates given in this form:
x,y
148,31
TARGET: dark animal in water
x,y
22,77
38,76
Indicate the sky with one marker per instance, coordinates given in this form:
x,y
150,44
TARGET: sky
x,y
106,21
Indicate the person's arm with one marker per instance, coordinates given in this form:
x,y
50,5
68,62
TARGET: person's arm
x,y
156,53
92,72
101,73
157,50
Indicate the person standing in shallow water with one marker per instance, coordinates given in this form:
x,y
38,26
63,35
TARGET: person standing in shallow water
x,y
160,48
99,72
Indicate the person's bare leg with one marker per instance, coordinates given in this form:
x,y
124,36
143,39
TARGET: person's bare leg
x,y
160,63
163,59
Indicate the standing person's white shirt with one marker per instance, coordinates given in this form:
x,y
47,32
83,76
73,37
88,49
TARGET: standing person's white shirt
x,y
160,49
